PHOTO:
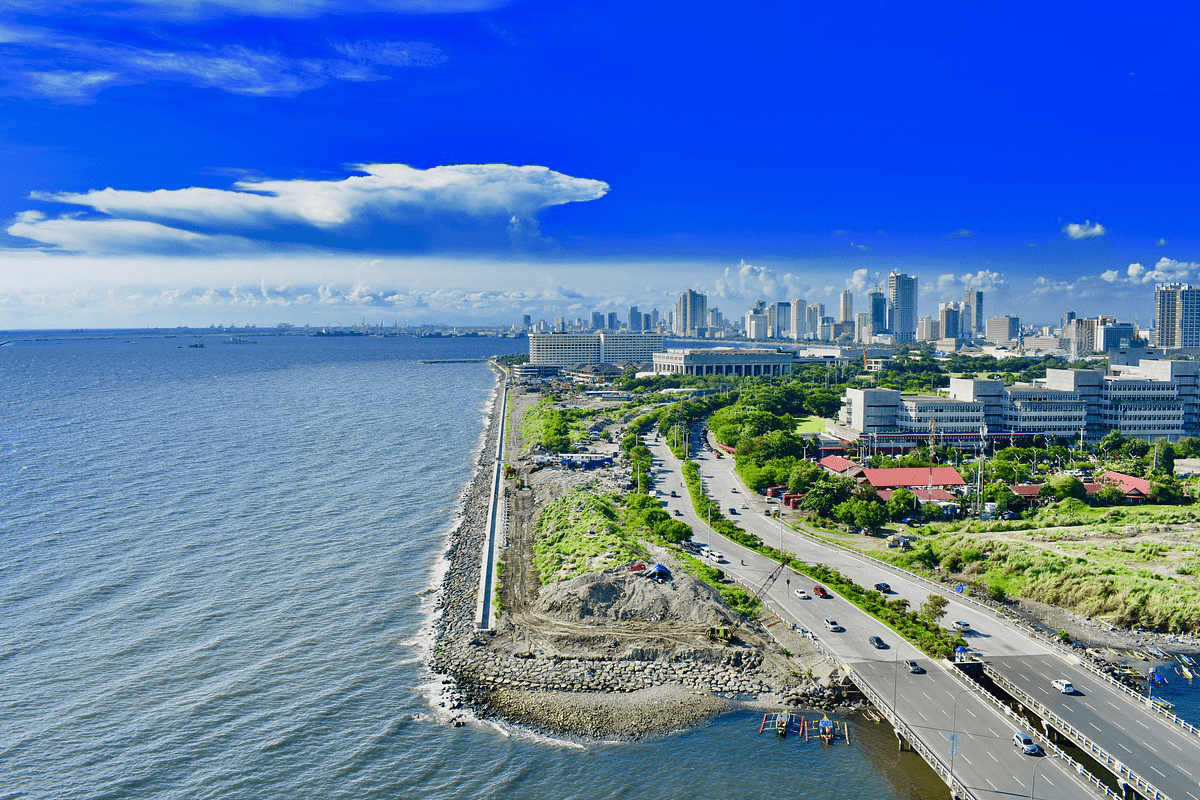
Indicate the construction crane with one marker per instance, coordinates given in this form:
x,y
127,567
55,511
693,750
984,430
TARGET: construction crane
x,y
727,632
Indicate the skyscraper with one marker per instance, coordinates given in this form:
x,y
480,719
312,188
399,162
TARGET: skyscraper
x,y
972,312
799,326
1176,315
847,310
949,320
813,315
597,320
877,308
691,314
635,319
902,306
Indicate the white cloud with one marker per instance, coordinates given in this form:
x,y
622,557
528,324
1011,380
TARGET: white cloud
x,y
1165,270
751,282
293,9
1087,230
860,246
1162,242
946,282
983,280
858,282
961,233
497,196
1110,275
114,236
234,68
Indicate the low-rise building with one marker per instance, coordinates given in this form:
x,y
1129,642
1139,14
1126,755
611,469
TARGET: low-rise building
x,y
740,361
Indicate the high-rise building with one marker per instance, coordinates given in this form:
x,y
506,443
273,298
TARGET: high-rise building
x,y
927,329
1003,330
779,317
799,324
614,321
813,314
526,321
949,320
847,310
877,303
597,320
862,327
691,314
1176,315
902,306
972,312
635,319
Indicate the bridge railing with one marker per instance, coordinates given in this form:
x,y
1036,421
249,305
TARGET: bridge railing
x,y
1166,714
1139,783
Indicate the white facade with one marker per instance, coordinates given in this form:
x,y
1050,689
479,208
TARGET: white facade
x,y
741,361
569,349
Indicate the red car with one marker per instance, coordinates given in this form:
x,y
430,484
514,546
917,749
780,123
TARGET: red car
x,y
820,591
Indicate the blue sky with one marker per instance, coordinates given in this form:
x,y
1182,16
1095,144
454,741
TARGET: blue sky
x,y
470,161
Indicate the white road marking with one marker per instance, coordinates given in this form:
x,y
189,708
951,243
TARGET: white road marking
x,y
1157,770
1089,705
1144,725
972,713
1047,780
994,758
1114,705
994,787
1094,726
1177,747
1123,747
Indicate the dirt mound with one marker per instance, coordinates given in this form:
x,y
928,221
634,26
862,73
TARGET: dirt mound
x,y
624,596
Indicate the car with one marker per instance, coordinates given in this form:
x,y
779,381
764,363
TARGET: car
x,y
1027,745
801,594
678,513
1063,686
734,490
674,493
962,626
821,592
877,643
831,624
745,505
913,667
883,588
1010,516
732,510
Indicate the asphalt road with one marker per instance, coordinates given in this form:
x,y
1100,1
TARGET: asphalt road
x,y
936,703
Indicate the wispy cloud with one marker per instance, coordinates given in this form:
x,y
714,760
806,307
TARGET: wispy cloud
x,y
1087,230
35,59
498,198
211,9
961,233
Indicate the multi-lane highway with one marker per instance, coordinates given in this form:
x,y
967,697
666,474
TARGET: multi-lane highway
x,y
939,703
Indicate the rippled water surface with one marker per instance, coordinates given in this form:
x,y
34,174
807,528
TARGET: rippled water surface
x,y
213,573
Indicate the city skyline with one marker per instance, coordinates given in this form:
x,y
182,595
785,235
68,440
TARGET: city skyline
x,y
477,160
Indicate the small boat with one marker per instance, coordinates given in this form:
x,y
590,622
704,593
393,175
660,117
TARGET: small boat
x,y
826,730
783,721
1165,705
1187,673
197,344
1187,659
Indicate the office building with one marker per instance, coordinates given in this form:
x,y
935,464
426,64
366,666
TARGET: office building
x,y
862,327
877,303
1003,330
847,309
799,324
902,306
569,349
597,320
812,319
949,320
1176,315
928,329
691,314
614,321
971,321
635,319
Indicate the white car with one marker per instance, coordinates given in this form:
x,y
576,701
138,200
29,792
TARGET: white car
x,y
962,626
801,594
1063,686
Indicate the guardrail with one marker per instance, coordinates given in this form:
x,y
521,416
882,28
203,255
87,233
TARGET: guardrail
x,y
1030,631
1096,751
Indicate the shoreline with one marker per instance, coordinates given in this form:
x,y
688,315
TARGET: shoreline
x,y
591,695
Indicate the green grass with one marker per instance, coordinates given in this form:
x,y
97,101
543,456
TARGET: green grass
x,y
811,424
581,532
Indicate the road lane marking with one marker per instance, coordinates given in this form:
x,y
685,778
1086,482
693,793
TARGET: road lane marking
x,y
1114,705
1177,747
994,758
1095,726
1047,780
1089,705
972,713
1123,747
1144,725
994,787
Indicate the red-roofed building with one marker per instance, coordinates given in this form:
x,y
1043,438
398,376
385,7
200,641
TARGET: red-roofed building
x,y
912,477
842,466
1135,489
923,495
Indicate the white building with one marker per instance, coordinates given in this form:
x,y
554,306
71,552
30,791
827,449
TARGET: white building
x,y
1151,400
742,361
568,349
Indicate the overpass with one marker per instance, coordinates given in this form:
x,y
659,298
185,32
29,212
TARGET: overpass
x,y
942,712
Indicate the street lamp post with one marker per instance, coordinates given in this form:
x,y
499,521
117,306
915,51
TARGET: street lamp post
x,y
1033,780
954,734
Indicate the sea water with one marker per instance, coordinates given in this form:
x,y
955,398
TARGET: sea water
x,y
215,567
